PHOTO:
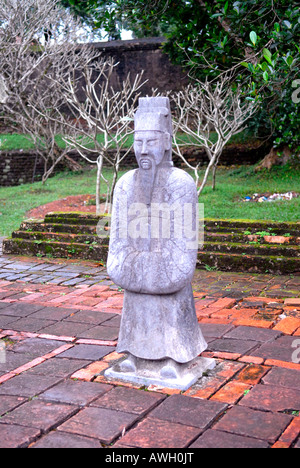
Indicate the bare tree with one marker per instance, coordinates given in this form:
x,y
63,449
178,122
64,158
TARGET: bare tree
x,y
105,117
38,45
209,115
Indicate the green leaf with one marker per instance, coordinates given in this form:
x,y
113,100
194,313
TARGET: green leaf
x,y
287,24
253,37
266,76
277,27
245,64
268,56
289,60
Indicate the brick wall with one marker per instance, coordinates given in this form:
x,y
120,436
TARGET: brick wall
x,y
19,167
144,54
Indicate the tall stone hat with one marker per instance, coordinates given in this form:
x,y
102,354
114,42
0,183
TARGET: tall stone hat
x,y
154,114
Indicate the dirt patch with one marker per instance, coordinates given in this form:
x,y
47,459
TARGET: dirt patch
x,y
67,205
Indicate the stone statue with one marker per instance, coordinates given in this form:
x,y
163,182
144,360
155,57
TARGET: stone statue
x,y
152,256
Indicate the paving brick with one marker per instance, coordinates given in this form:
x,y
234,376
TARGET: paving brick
x,y
253,334
35,347
129,400
101,333
255,424
222,355
89,352
155,433
13,436
280,350
88,373
8,403
20,309
256,322
286,365
66,441
93,317
213,330
53,313
231,393
224,303
272,398
295,302
39,414
292,432
229,345
12,361
251,360
6,321
283,378
288,325
57,367
297,445
252,374
217,439
32,324
75,393
26,385
99,423
65,328
188,411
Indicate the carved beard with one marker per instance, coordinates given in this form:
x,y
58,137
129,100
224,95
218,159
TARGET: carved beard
x,y
146,180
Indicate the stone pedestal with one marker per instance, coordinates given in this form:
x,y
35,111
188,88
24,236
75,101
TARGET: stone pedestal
x,y
162,373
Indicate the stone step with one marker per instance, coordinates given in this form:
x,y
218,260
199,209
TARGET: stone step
x,y
225,247
58,228
237,237
53,249
253,231
250,263
253,249
229,245
251,225
39,236
73,218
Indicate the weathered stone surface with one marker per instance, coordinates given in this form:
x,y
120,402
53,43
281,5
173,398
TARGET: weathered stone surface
x,y
99,423
14,436
252,423
217,439
89,352
129,400
66,441
272,398
156,433
75,392
151,256
39,414
189,411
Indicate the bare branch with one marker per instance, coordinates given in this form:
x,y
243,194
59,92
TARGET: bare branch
x,y
209,115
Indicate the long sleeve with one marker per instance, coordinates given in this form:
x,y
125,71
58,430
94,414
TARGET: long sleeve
x,y
158,262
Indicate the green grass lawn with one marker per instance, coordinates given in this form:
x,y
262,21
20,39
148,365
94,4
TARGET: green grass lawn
x,y
225,202
15,141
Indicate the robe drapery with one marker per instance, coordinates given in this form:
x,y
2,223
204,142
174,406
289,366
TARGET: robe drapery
x,y
152,256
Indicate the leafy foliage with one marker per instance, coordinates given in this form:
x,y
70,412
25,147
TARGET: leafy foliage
x,y
258,40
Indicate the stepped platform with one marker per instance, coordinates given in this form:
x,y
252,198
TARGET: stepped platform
x,y
229,245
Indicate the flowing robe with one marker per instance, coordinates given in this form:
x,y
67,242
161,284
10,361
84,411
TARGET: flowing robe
x,y
152,258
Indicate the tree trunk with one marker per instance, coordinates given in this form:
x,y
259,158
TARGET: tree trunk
x,y
276,157
213,186
98,184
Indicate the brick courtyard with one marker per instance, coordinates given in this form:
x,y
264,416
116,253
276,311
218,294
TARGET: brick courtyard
x,y
60,321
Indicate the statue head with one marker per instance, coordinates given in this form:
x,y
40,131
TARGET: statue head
x,y
153,133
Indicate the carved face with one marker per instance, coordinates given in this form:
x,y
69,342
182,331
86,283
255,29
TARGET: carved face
x,y
150,148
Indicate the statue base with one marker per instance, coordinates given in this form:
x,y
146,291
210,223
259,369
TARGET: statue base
x,y
163,373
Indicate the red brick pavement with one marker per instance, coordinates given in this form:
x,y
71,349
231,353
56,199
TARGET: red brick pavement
x,y
59,340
